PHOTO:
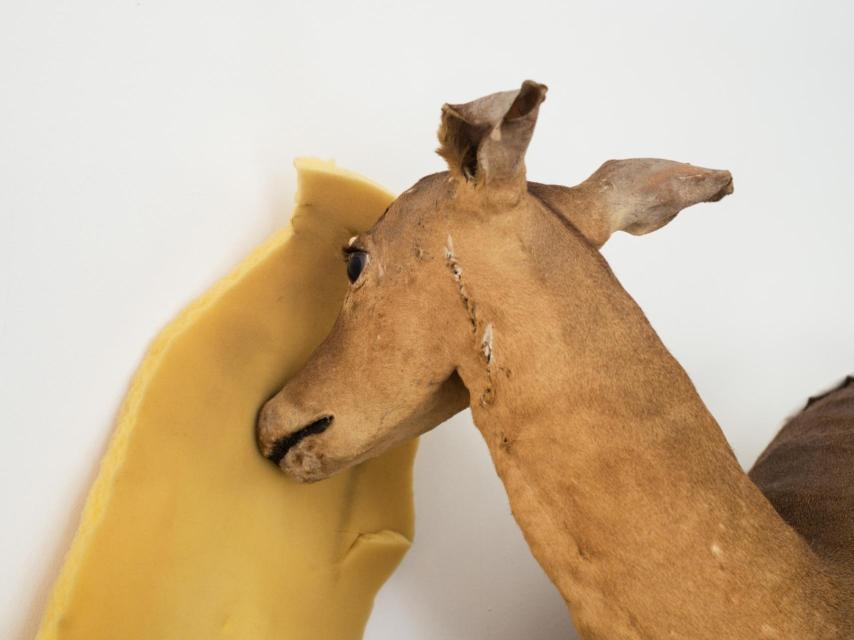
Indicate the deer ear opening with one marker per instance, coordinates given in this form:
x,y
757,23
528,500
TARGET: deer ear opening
x,y
485,140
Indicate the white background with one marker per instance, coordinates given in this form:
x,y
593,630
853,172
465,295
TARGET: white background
x,y
145,147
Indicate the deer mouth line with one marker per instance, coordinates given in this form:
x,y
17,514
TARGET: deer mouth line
x,y
285,443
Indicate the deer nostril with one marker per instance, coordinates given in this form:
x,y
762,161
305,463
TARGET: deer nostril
x,y
284,444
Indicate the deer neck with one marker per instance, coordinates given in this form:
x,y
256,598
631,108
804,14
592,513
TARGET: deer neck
x,y
619,477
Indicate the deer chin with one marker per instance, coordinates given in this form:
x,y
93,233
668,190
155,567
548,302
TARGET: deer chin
x,y
306,461
313,454
317,453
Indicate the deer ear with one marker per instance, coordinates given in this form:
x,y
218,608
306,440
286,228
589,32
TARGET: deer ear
x,y
485,140
639,195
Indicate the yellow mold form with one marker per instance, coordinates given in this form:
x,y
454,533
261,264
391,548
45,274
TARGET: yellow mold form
x,y
187,531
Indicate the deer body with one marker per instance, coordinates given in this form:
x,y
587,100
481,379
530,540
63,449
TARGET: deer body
x,y
491,292
621,481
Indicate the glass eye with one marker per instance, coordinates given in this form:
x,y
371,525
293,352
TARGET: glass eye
x,y
356,262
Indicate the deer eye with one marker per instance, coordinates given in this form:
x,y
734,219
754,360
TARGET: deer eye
x,y
356,262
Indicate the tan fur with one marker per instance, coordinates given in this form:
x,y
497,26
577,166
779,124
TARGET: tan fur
x,y
485,290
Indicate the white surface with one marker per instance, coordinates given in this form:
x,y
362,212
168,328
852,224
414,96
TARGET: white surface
x,y
145,147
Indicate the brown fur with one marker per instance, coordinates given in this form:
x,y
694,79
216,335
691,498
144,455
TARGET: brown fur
x,y
807,472
488,291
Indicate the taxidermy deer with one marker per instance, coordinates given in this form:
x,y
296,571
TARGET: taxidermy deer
x,y
479,288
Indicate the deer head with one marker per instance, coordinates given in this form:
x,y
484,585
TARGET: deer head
x,y
454,260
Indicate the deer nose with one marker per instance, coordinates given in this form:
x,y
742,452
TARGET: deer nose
x,y
274,445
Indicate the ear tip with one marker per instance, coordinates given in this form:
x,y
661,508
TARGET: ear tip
x,y
535,84
726,186
536,87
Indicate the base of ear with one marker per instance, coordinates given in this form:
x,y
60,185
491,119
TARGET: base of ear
x,y
187,531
